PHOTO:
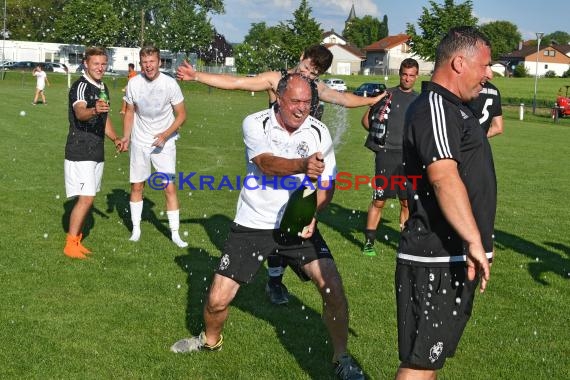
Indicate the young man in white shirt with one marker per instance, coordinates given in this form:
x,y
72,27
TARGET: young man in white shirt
x,y
154,113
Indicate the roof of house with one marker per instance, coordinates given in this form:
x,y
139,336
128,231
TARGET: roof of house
x,y
562,48
350,48
527,50
332,33
387,43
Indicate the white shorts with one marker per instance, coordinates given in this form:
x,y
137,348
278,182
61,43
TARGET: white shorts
x,y
162,159
82,177
41,87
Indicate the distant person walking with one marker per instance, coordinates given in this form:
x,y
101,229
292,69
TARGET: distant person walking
x,y
41,81
131,74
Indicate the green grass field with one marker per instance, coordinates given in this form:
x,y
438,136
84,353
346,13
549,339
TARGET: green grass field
x,y
116,314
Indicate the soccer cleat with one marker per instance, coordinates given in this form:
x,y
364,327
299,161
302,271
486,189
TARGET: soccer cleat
x,y
195,343
368,249
277,293
72,248
82,248
347,369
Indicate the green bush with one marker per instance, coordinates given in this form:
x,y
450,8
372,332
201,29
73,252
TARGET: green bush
x,y
550,74
520,72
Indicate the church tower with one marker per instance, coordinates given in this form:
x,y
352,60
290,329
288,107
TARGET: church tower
x,y
351,17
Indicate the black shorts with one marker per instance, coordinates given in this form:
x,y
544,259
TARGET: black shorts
x,y
246,249
433,307
390,176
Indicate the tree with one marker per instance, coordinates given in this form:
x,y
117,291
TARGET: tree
x,y
261,50
504,37
88,23
558,37
261,35
435,23
384,32
271,48
362,32
299,33
216,52
178,25
29,20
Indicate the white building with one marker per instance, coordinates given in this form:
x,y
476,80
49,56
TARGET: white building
x,y
72,55
383,57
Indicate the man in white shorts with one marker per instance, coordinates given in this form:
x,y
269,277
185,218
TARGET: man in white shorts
x,y
155,111
84,151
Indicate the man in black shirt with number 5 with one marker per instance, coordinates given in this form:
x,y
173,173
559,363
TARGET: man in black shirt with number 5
x,y
487,108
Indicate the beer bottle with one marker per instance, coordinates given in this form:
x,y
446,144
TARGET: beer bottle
x,y
102,94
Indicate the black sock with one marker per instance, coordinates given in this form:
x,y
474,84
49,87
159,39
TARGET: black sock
x,y
275,269
370,235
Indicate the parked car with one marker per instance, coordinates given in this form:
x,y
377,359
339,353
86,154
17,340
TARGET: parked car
x,y
7,65
335,84
58,67
369,89
170,73
24,66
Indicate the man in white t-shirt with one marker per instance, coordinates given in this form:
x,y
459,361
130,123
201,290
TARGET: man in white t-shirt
x,y
283,144
41,81
155,111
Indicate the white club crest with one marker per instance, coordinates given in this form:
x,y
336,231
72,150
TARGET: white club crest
x,y
303,149
224,262
435,351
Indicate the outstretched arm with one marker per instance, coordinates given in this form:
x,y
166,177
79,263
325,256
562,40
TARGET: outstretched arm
x,y
262,82
345,99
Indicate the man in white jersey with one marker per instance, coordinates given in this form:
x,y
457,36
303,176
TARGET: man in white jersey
x,y
283,144
155,111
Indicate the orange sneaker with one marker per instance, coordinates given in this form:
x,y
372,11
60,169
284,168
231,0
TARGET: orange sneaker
x,y
72,249
82,248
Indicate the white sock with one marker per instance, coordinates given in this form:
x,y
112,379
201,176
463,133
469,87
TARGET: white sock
x,y
136,215
174,223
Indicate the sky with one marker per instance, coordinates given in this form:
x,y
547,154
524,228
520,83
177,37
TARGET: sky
x,y
530,17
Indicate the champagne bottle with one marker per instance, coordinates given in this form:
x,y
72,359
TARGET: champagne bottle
x,y
300,210
378,131
377,120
